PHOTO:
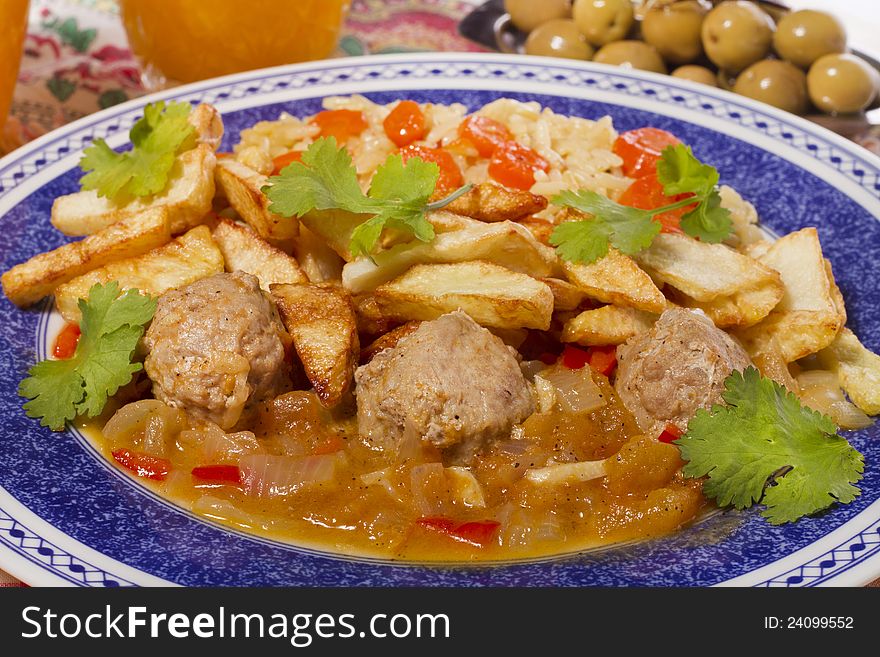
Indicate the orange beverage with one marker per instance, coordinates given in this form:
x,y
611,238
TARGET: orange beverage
x,y
13,25
187,40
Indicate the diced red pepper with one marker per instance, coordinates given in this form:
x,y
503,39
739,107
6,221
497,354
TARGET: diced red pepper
x,y
341,124
66,341
143,465
477,533
484,133
218,474
284,159
575,358
670,433
640,149
450,175
514,165
603,359
405,123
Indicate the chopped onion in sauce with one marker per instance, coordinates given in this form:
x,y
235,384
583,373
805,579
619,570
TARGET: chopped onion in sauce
x,y
276,476
563,473
576,392
465,487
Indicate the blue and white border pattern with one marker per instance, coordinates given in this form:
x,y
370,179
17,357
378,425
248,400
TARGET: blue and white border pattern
x,y
426,71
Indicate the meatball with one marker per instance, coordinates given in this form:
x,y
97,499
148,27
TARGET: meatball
x,y
215,348
450,383
667,373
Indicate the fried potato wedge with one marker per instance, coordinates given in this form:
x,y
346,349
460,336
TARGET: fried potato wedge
x,y
565,295
192,256
208,124
740,310
187,198
811,311
492,295
490,202
857,368
541,229
244,250
335,228
319,262
242,187
321,321
702,271
617,279
607,325
30,281
505,243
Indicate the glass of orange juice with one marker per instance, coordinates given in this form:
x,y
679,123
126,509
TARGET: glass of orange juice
x,y
187,40
13,25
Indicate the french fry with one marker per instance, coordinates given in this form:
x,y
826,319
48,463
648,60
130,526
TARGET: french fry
x,y
490,202
702,271
565,295
745,308
811,312
243,250
192,256
334,227
208,124
607,325
505,243
857,368
242,187
319,262
492,295
321,321
617,279
30,281
187,198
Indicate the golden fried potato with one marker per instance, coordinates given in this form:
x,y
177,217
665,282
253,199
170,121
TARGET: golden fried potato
x,y
321,321
607,325
208,124
857,368
334,227
490,202
616,279
243,189
192,256
244,250
319,262
505,243
741,309
492,295
811,312
30,281
565,295
702,271
187,198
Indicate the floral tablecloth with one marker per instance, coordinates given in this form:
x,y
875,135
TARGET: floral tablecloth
x,y
77,61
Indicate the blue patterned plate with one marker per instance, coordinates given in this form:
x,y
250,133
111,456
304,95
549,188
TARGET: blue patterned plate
x,y
68,517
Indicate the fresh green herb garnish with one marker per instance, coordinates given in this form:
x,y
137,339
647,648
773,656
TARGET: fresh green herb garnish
x,y
766,447
111,326
631,230
325,179
157,138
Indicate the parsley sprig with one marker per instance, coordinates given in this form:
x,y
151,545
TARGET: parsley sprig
x,y
325,179
59,390
157,139
765,446
631,230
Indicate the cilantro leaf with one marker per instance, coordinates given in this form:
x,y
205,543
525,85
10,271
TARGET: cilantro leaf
x,y
680,172
325,179
627,229
59,390
765,446
157,138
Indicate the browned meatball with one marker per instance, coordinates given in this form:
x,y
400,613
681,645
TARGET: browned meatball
x,y
667,373
215,348
450,383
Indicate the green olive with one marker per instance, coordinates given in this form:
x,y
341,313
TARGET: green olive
x,y
558,38
631,54
776,83
603,21
842,83
736,34
529,14
725,80
804,36
694,73
674,30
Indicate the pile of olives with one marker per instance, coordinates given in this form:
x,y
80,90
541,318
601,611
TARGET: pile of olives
x,y
757,49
